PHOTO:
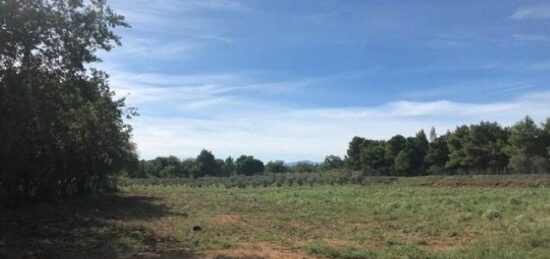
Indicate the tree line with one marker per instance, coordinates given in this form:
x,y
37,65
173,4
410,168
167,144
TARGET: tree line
x,y
486,148
206,164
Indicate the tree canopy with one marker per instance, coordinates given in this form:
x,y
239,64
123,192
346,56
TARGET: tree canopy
x,y
62,133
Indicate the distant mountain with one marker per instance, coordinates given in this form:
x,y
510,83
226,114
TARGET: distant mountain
x,y
302,161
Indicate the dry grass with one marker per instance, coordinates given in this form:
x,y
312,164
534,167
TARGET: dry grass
x,y
288,222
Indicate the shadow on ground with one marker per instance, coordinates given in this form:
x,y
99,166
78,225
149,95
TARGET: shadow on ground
x,y
91,227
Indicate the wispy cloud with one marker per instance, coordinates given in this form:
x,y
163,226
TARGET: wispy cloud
x,y
181,114
230,92
190,68
532,37
279,133
156,49
182,28
540,11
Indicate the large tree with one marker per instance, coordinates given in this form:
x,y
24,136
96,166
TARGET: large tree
x,y
372,156
207,165
393,146
62,133
248,165
353,158
438,154
527,150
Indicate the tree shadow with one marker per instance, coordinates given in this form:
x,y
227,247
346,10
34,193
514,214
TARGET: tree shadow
x,y
88,227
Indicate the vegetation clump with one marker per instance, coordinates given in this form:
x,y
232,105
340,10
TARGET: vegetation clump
x,y
492,214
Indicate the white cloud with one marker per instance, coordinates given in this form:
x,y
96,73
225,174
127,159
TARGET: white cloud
x,y
283,133
532,37
156,49
540,11
230,114
188,92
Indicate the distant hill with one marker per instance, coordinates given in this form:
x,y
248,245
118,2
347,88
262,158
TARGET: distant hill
x,y
302,161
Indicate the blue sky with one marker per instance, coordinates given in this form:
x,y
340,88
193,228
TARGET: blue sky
x,y
297,80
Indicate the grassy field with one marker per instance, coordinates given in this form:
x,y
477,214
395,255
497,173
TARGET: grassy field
x,y
401,220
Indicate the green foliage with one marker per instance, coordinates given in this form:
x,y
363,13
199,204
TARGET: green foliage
x,y
404,161
410,160
332,162
393,146
528,147
303,167
206,164
437,155
161,167
372,156
353,158
229,167
479,148
61,131
248,165
276,167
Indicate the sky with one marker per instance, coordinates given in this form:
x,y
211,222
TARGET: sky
x,y
298,79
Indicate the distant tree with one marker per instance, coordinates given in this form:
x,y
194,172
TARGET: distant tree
x,y
206,165
332,162
229,167
485,148
526,146
478,147
353,158
438,155
248,165
405,163
410,161
160,167
303,167
373,156
169,166
276,167
188,167
139,171
393,146
456,142
421,145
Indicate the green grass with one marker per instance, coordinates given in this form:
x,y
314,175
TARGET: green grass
x,y
362,222
402,220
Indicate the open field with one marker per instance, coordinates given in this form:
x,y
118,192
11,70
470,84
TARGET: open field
x,y
398,220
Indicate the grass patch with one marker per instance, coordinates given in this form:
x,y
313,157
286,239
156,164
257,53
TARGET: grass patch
x,y
325,250
402,220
